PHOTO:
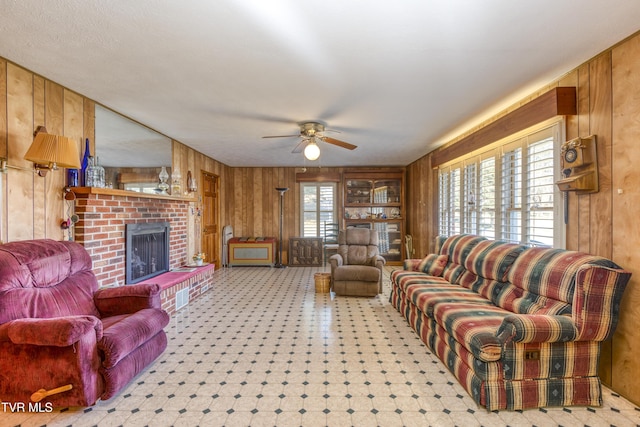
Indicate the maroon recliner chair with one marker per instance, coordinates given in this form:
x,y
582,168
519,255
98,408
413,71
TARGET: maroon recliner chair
x,y
58,329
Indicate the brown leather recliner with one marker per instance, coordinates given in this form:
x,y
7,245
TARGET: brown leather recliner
x,y
357,267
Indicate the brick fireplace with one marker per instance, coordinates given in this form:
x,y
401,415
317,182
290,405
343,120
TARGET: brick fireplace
x,y
103,214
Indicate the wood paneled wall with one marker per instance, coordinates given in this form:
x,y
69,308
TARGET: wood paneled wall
x,y
250,202
33,207
603,223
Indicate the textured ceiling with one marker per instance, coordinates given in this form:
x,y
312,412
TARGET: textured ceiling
x,y
397,79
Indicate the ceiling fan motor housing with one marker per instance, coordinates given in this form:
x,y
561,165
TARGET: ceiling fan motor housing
x,y
311,128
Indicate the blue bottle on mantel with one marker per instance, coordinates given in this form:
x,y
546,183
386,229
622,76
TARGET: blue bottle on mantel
x,y
85,163
72,178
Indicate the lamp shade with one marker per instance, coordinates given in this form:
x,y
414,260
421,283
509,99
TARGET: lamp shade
x,y
53,149
312,151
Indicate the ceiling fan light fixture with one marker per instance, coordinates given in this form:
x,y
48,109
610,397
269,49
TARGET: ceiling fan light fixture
x,y
312,151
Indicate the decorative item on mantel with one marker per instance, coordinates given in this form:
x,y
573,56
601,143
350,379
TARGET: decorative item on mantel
x,y
199,258
85,163
176,182
163,176
94,175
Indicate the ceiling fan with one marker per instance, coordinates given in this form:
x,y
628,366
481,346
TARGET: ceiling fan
x,y
311,133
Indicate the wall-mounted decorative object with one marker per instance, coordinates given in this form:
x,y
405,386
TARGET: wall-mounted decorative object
x,y
48,152
192,184
579,165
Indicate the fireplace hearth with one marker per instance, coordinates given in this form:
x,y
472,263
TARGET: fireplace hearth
x,y
146,250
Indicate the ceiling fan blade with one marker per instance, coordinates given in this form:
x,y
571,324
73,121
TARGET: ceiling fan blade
x,y
300,147
280,136
339,143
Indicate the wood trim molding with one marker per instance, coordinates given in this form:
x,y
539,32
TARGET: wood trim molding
x,y
126,193
317,177
560,101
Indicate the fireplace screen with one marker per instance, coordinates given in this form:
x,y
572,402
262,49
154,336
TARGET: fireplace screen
x,y
147,250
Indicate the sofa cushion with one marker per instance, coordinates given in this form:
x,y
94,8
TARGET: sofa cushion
x,y
426,295
492,259
125,333
433,264
474,326
404,278
488,288
457,248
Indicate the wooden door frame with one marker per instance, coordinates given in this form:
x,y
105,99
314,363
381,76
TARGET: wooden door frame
x,y
217,212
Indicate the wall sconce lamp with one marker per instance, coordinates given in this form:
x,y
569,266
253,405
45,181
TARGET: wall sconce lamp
x,y
48,152
192,184
312,151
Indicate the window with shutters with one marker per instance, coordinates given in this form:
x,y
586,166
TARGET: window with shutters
x,y
318,207
451,206
507,192
470,201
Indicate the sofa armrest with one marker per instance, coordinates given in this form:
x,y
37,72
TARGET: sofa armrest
x,y
127,299
379,261
336,260
596,301
535,328
411,264
56,331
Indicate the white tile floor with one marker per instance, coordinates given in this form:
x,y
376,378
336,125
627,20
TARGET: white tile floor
x,y
263,349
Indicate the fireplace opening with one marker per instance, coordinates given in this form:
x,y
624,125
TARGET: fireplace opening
x,y
146,250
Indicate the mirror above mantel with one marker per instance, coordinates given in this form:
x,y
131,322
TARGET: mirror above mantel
x,y
132,155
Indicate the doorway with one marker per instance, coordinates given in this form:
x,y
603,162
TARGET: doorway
x,y
210,217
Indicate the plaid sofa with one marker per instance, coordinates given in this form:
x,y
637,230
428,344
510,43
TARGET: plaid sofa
x,y
519,327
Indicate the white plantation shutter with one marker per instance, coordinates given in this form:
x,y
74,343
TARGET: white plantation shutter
x,y
455,200
511,194
450,201
487,198
506,193
539,217
470,201
443,202
318,207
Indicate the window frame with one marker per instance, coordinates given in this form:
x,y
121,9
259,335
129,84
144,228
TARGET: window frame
x,y
474,207
318,211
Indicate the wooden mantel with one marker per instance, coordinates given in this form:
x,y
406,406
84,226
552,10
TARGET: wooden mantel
x,y
127,193
560,101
